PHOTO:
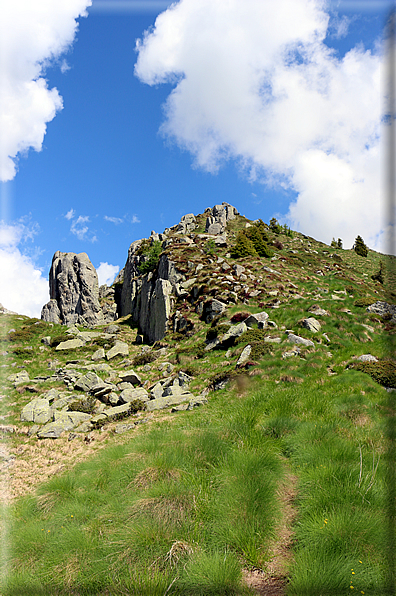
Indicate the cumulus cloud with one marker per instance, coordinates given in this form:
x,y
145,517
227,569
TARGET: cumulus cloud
x,y
135,219
33,34
23,288
114,220
81,230
106,273
256,83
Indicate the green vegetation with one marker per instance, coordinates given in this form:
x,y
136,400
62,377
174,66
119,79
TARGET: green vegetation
x,y
186,503
359,247
152,253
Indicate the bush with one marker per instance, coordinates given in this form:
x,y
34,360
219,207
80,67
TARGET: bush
x,y
153,255
252,335
278,244
239,317
85,404
359,247
364,302
144,358
383,372
243,247
275,226
214,332
257,234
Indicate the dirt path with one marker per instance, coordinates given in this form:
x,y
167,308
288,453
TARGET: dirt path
x,y
273,581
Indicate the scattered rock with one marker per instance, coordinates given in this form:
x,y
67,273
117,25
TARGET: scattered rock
x,y
367,358
120,348
129,376
311,324
38,411
296,339
259,319
244,357
70,344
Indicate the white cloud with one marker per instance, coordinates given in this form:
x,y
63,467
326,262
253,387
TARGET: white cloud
x,y
23,288
255,82
106,273
70,214
32,35
135,219
114,220
79,229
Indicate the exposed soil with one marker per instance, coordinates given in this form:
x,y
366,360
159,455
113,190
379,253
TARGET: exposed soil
x,y
273,581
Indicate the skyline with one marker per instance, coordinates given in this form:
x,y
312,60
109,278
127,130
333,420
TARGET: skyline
x,y
204,108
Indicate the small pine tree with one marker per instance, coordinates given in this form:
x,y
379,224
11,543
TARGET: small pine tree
x,y
275,226
339,243
243,247
259,241
359,247
333,243
153,255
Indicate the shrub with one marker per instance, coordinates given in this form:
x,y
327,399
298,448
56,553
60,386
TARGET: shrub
x,y
153,255
144,358
383,372
210,247
278,244
243,247
275,226
359,247
252,335
259,238
239,317
214,332
364,302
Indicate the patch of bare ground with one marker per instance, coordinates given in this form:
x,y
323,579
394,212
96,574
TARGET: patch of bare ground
x,y
273,581
37,460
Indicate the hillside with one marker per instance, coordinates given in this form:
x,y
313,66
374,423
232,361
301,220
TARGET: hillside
x,y
218,426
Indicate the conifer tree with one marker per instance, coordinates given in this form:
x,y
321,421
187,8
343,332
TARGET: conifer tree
x,y
359,247
243,247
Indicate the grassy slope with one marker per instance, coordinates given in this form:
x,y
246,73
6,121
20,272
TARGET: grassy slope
x,y
180,505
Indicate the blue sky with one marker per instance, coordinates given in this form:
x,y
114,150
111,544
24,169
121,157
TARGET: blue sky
x,y
184,122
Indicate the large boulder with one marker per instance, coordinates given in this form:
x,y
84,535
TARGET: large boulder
x,y
74,291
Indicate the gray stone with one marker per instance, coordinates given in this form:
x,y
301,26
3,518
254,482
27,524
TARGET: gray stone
x,y
38,411
318,311
70,344
18,378
118,412
211,309
272,340
259,319
129,376
244,357
367,358
112,329
165,402
196,402
98,355
184,379
130,395
74,291
113,399
88,381
122,428
238,270
33,430
382,308
52,430
84,427
311,324
50,312
233,333
296,339
213,229
46,340
120,348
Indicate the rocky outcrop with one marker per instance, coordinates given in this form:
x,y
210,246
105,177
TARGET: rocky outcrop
x,y
218,217
74,291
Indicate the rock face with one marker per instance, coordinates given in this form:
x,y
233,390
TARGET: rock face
x,y
74,291
218,217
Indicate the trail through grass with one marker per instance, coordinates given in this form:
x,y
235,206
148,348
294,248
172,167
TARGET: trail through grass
x,y
186,505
